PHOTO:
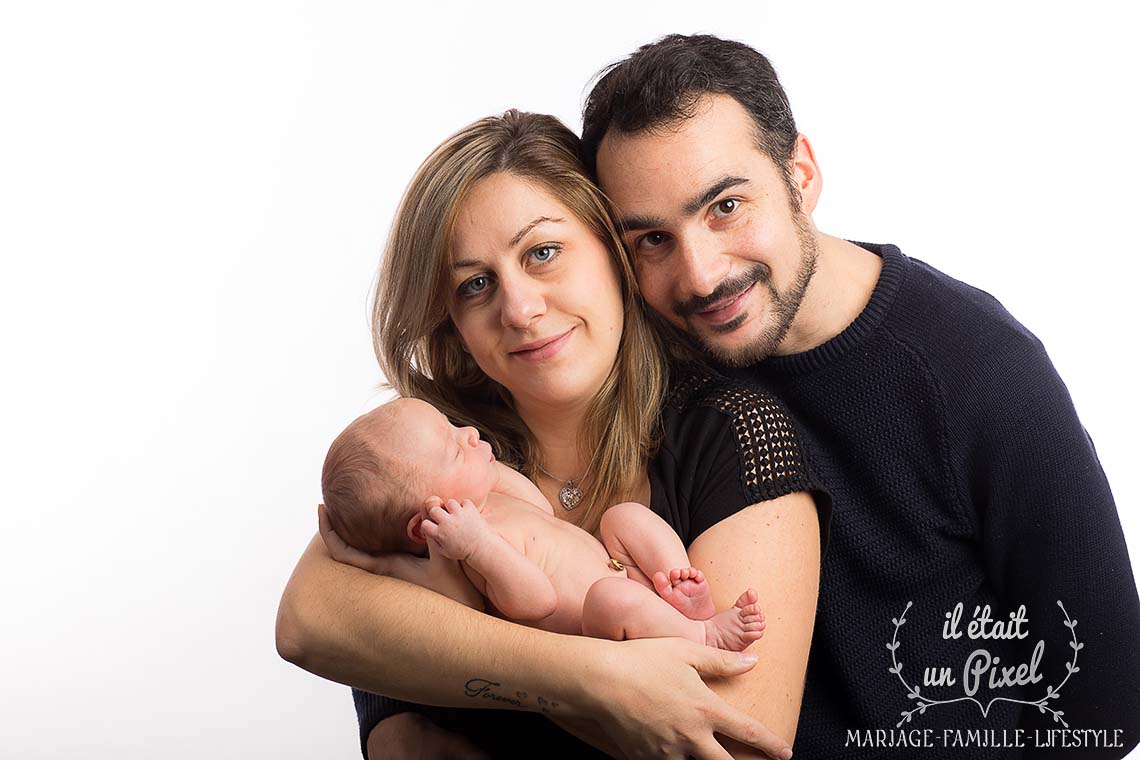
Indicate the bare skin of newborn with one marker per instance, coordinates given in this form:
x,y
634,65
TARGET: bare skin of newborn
x,y
491,531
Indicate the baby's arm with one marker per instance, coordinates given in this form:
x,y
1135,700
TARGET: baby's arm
x,y
515,585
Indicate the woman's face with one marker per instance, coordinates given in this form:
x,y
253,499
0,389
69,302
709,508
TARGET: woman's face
x,y
534,293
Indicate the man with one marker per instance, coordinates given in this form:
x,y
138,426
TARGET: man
x,y
959,470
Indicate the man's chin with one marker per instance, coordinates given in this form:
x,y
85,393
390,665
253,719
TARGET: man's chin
x,y
730,351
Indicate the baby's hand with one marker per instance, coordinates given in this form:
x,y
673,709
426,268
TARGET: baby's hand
x,y
459,529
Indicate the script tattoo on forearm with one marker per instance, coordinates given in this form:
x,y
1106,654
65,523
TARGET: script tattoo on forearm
x,y
481,688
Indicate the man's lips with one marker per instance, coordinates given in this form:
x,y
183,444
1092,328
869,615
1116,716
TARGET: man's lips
x,y
727,310
543,348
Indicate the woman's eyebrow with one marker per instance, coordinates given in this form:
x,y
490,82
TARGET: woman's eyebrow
x,y
527,228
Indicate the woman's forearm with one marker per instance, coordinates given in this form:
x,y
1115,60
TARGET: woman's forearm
x,y
390,637
383,635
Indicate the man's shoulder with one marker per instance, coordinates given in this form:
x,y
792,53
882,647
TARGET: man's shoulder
x,y
979,355
949,321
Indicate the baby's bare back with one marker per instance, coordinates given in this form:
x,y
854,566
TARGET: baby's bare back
x,y
570,557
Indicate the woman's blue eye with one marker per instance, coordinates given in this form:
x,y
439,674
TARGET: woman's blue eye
x,y
544,253
474,286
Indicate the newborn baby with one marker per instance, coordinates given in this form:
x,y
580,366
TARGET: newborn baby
x,y
403,479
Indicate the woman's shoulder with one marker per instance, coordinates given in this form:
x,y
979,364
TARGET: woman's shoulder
x,y
693,388
705,410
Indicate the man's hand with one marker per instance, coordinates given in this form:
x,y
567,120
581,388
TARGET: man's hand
x,y
458,528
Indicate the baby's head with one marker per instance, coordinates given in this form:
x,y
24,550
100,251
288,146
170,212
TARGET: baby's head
x,y
382,468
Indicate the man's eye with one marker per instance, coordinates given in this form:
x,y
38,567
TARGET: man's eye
x,y
651,240
726,207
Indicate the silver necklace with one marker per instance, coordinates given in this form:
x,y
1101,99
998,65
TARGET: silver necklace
x,y
569,495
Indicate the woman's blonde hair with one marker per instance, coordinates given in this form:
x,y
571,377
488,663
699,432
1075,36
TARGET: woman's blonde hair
x,y
419,349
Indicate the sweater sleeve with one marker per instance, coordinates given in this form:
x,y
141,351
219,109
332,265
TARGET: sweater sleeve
x,y
1052,540
373,708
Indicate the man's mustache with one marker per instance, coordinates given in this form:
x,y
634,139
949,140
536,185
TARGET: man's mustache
x,y
728,288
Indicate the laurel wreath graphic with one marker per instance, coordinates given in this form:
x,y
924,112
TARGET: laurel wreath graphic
x,y
923,702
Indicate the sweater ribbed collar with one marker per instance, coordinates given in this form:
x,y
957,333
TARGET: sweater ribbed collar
x,y
895,265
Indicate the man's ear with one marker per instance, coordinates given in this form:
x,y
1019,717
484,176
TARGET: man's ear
x,y
806,175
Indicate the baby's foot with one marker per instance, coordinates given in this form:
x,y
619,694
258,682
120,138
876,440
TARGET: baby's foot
x,y
738,627
687,590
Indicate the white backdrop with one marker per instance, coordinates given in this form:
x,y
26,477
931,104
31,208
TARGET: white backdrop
x,y
193,197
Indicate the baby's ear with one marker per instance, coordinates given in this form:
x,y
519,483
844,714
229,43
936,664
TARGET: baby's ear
x,y
415,528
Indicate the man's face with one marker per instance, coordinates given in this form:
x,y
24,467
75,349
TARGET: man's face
x,y
719,249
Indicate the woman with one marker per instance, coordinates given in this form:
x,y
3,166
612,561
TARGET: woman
x,y
506,300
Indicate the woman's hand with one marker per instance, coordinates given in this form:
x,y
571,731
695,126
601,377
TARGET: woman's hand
x,y
411,736
377,564
653,703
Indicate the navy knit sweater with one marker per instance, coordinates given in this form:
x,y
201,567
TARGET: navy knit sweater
x,y
959,473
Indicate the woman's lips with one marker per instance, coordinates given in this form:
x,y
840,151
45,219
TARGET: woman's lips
x,y
727,310
543,349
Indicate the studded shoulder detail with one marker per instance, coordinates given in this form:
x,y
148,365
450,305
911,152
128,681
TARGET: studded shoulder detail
x,y
766,439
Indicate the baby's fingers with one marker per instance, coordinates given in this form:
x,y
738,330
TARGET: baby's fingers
x,y
430,529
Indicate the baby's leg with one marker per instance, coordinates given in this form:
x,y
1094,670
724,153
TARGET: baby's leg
x,y
636,536
618,609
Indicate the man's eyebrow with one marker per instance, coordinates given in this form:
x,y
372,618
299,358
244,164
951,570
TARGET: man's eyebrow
x,y
521,233
635,222
718,187
632,223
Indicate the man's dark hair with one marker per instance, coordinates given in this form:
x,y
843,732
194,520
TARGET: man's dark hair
x,y
661,83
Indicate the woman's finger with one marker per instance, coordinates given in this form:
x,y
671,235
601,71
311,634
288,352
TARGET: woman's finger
x,y
731,722
720,662
747,730
338,549
710,749
345,554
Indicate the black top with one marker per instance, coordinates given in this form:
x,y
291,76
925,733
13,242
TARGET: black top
x,y
725,446
960,473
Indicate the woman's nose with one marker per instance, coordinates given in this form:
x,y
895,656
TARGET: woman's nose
x,y
522,302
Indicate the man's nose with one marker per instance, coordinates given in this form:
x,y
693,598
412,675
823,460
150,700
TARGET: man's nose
x,y
701,266
522,301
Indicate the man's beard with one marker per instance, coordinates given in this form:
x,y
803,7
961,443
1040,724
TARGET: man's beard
x,y
783,307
